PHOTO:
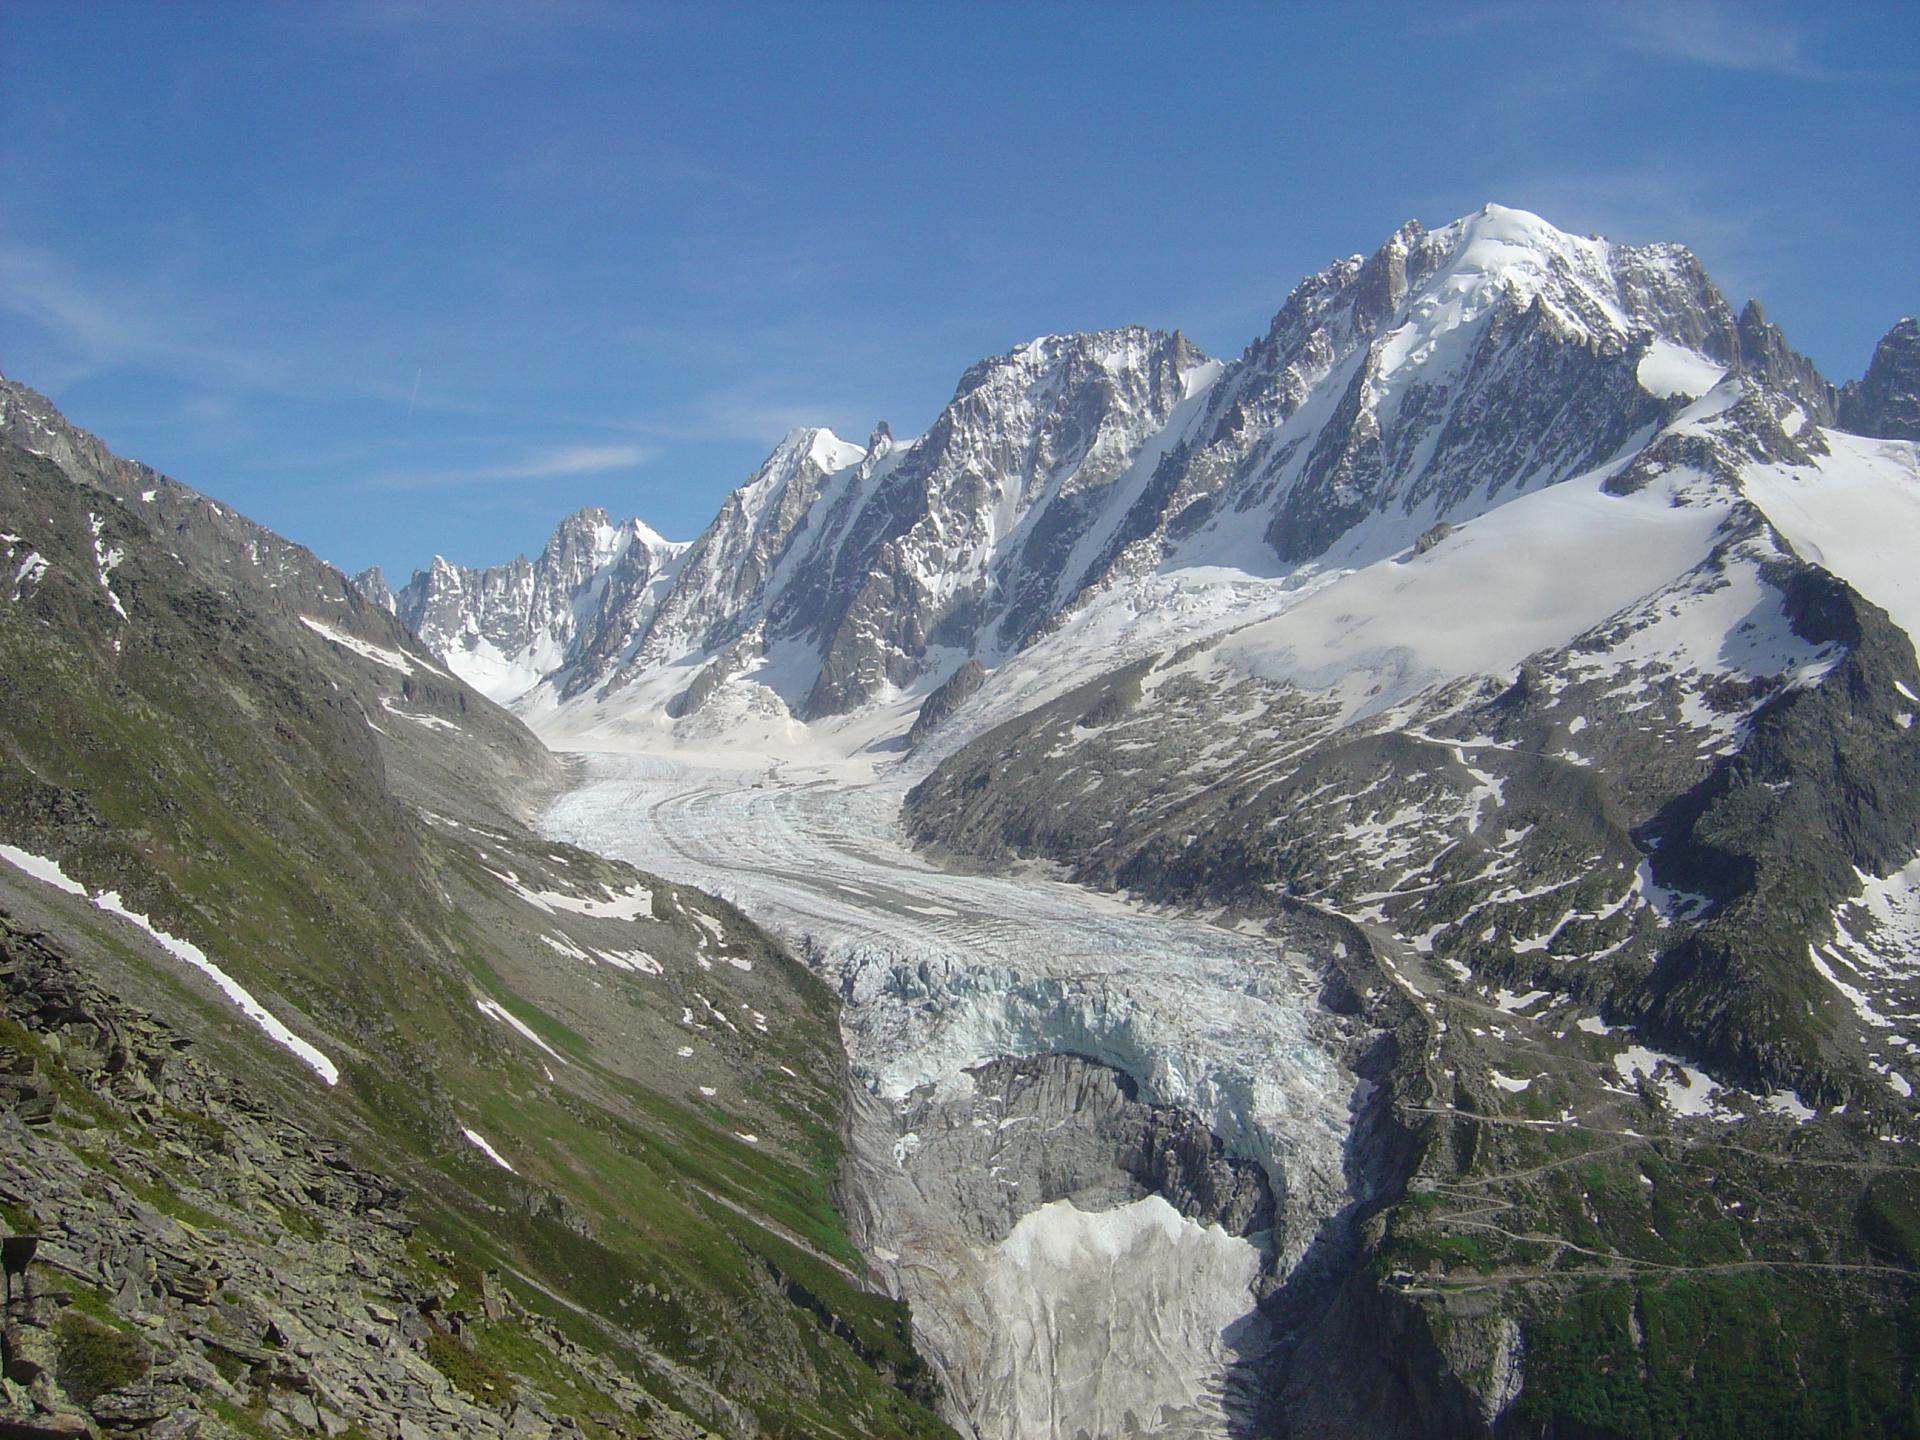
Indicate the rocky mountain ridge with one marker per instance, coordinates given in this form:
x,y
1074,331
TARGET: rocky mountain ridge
x,y
1444,373
513,624
1886,401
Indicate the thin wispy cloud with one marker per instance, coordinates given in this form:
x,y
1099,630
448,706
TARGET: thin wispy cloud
x,y
553,463
1713,34
759,411
97,329
1720,36
573,460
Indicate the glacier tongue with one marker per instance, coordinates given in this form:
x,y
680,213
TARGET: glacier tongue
x,y
1128,1321
941,973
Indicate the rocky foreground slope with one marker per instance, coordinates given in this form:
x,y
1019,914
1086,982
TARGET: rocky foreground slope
x,y
335,1100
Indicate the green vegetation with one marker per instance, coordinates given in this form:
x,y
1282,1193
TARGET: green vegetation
x,y
95,1358
470,1374
19,1219
1736,1357
1889,1218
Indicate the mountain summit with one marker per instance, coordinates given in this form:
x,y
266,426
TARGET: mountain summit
x,y
1417,386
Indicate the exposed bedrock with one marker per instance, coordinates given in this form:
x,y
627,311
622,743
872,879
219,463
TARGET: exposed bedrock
x,y
1079,1262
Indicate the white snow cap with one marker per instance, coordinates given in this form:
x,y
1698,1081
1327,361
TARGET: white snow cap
x,y
831,453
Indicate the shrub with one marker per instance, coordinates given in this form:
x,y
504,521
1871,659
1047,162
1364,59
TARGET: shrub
x,y
94,1358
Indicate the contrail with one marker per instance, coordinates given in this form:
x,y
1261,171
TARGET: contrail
x,y
415,395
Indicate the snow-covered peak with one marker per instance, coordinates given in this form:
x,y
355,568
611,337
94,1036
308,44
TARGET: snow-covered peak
x,y
1422,284
1502,252
1062,360
646,535
814,444
1403,391
1496,237
831,453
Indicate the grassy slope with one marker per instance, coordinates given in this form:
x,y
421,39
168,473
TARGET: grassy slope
x,y
217,763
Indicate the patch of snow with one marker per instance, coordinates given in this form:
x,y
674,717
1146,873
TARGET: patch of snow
x,y
105,558
1789,1103
366,649
479,1142
432,722
1846,512
713,928
493,1010
29,571
1509,1003
566,946
1669,905
1855,997
633,903
1667,370
42,869
49,872
638,961
193,955
1687,1091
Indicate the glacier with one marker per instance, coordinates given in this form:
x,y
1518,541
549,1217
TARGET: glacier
x,y
940,972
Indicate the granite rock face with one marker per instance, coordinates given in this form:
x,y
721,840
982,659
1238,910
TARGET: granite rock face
x,y
1426,383
951,694
1076,1258
1886,402
1766,358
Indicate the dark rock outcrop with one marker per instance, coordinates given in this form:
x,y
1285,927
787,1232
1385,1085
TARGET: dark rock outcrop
x,y
1886,402
952,693
1766,358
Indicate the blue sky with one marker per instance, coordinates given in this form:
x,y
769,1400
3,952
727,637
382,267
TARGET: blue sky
x,y
397,278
